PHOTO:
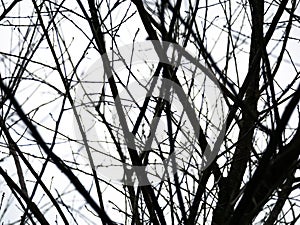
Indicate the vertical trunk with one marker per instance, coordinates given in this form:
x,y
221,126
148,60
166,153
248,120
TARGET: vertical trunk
x,y
230,188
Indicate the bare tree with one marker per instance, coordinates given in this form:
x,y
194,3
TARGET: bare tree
x,y
50,173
